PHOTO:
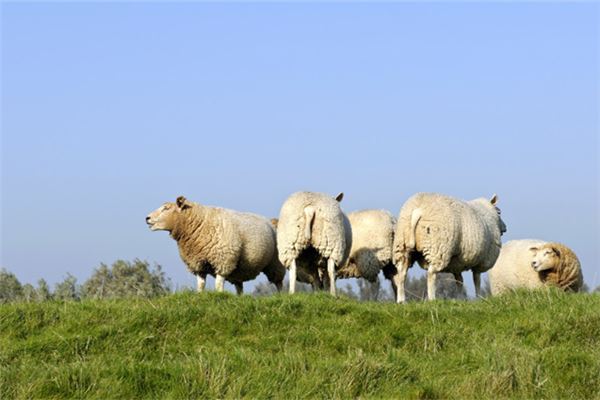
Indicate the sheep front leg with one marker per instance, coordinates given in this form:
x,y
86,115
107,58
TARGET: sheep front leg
x,y
219,283
200,282
293,277
398,282
331,274
477,283
431,278
239,288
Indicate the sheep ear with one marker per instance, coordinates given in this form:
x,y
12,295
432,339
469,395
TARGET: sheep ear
x,y
555,250
494,199
533,248
339,197
182,203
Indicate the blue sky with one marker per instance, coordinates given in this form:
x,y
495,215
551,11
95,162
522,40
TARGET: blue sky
x,y
108,110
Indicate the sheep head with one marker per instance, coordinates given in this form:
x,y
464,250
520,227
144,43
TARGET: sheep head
x,y
164,218
501,224
544,258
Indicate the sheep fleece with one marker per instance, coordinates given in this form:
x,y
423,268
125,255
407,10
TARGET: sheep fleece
x,y
451,233
233,244
513,268
330,233
372,240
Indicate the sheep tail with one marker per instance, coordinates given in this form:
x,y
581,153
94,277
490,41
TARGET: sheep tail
x,y
412,236
309,216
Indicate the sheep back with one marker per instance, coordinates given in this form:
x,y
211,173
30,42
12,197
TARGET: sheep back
x,y
314,220
216,240
448,233
513,269
372,239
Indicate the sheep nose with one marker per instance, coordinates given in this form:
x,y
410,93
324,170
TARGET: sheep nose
x,y
147,219
533,264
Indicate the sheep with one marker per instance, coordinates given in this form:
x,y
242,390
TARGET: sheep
x,y
303,273
313,236
534,264
230,245
444,234
371,251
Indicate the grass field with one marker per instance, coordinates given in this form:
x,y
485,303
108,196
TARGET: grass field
x,y
524,345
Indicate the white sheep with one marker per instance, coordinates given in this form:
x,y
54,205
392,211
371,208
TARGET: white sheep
x,y
230,245
313,234
534,264
371,252
444,234
303,272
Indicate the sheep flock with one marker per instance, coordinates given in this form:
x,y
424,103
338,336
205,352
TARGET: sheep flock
x,y
317,243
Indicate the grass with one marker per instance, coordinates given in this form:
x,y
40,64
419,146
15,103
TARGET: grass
x,y
524,345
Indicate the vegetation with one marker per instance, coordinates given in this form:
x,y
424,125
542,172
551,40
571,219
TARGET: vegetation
x,y
543,344
123,279
416,289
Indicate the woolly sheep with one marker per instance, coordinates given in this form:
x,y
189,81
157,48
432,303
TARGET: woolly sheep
x,y
313,235
371,251
444,234
303,272
230,245
533,264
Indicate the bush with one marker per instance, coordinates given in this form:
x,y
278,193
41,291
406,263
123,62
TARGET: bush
x,y
67,289
126,279
10,287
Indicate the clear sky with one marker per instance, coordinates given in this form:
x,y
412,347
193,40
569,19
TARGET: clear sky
x,y
109,110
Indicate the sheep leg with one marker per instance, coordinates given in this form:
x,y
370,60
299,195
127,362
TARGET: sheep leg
x,y
200,282
394,287
431,278
331,274
399,281
293,277
460,284
219,283
477,282
375,289
239,288
279,286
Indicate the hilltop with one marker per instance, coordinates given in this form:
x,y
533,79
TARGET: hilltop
x,y
524,345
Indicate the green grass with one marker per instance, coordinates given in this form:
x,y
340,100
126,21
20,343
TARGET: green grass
x,y
524,345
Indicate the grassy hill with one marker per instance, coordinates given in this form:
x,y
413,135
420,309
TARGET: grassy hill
x,y
532,345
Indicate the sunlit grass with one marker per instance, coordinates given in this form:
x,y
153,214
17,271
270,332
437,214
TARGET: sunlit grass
x,y
524,345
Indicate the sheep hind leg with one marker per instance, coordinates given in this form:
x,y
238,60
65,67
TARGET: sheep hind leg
x,y
220,283
394,287
239,288
279,286
398,281
460,283
200,282
431,278
477,283
293,277
331,274
374,289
